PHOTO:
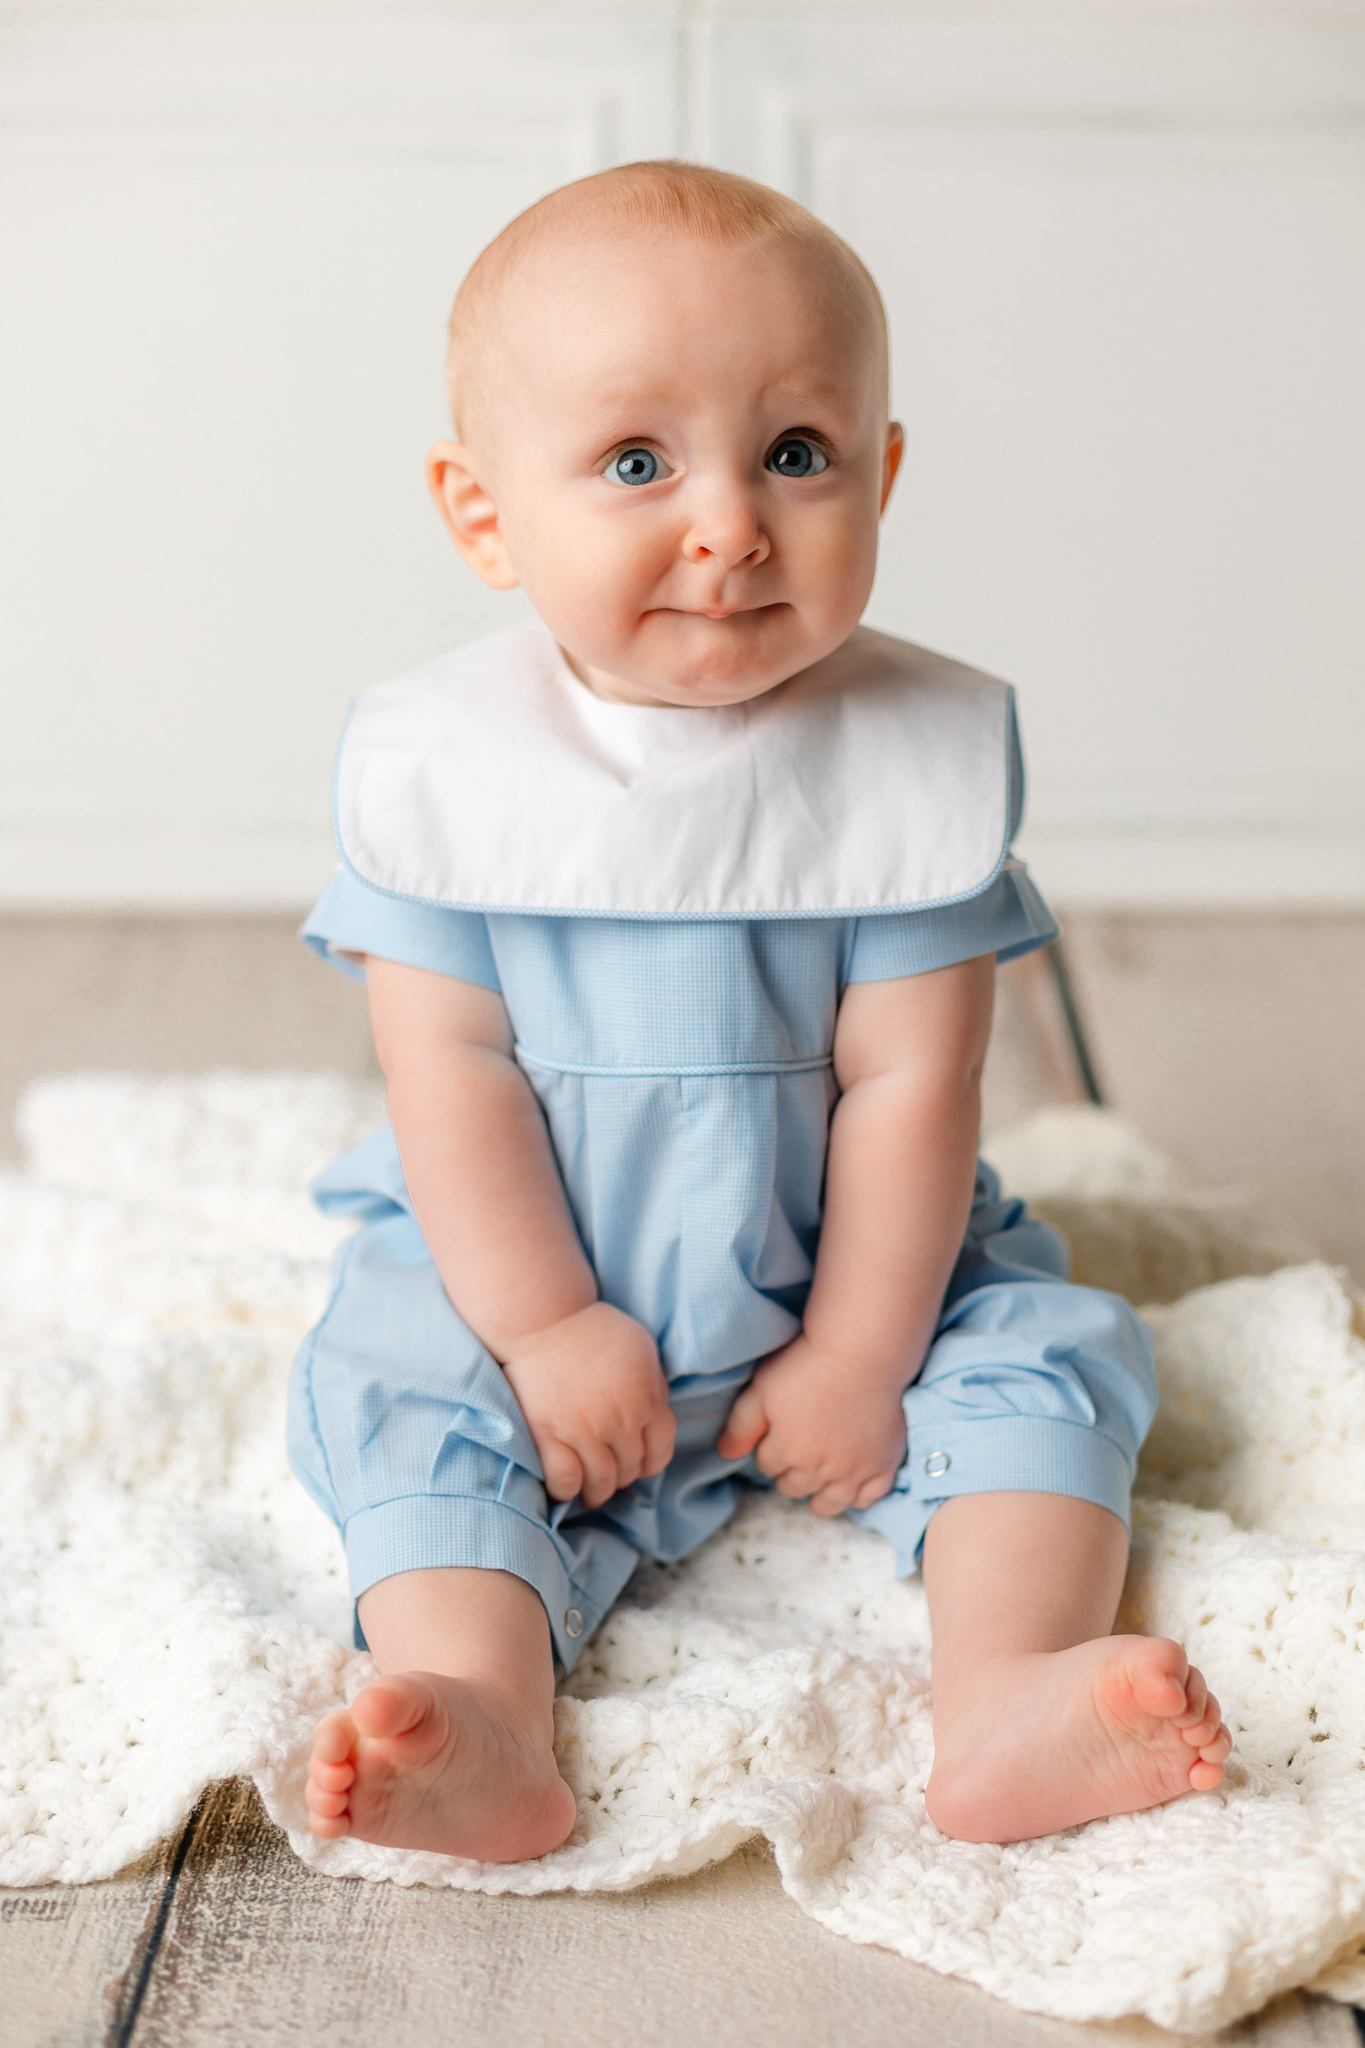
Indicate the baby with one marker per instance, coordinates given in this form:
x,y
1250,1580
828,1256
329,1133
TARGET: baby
x,y
679,910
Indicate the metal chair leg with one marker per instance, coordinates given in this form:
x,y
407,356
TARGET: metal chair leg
x,y
1075,1029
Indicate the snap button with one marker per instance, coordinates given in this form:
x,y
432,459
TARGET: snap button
x,y
937,1463
573,1623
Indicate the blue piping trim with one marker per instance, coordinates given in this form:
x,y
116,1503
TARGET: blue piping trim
x,y
532,1059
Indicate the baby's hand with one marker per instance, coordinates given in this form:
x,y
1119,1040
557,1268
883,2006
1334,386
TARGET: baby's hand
x,y
821,1435
596,1402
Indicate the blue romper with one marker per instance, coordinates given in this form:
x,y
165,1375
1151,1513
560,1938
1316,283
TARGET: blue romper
x,y
684,1068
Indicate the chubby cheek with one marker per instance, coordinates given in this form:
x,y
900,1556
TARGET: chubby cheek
x,y
590,578
829,567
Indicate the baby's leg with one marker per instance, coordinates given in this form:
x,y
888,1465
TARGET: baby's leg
x,y
452,1749
1042,1719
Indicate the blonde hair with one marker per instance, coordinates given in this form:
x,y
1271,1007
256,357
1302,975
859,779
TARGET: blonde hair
x,y
663,198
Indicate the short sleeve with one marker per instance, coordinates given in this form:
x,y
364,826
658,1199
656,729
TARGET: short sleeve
x,y
1007,919
352,917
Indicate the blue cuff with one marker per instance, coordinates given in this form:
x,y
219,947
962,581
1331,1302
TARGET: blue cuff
x,y
423,1532
1009,1454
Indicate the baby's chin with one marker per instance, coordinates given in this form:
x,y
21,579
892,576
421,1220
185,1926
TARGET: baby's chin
x,y
683,658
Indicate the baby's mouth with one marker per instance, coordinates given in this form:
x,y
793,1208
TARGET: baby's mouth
x,y
721,611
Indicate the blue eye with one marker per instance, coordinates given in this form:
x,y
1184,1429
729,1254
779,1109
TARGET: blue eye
x,y
796,457
636,466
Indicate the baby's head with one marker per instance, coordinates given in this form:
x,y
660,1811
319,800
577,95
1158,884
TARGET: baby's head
x,y
670,388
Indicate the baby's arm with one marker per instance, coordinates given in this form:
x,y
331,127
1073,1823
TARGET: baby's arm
x,y
825,1412
485,1189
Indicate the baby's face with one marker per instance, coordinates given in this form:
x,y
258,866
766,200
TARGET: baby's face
x,y
683,463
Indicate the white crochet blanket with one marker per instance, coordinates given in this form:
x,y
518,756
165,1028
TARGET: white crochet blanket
x,y
174,1608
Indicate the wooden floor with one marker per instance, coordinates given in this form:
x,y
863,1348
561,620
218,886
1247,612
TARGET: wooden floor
x,y
226,1939
1235,1042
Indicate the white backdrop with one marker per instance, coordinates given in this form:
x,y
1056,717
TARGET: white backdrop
x,y
1123,248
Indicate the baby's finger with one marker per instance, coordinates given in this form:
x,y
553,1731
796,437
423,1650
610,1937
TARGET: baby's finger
x,y
771,1460
745,1426
599,1474
661,1433
563,1470
627,1453
830,1501
873,1489
795,1484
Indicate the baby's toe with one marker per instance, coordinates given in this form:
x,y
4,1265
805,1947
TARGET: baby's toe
x,y
328,1830
1199,1732
327,1805
1196,1700
330,1805
1205,1777
1158,1680
393,1705
1207,1769
334,1738
332,1777
1218,1747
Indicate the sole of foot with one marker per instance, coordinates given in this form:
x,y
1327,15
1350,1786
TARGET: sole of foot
x,y
421,1761
1053,1739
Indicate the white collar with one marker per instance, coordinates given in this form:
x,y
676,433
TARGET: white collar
x,y
492,779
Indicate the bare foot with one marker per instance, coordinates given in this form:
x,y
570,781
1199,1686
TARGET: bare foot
x,y
450,1764
1054,1738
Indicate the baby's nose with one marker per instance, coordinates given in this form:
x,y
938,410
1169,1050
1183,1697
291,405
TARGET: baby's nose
x,y
730,535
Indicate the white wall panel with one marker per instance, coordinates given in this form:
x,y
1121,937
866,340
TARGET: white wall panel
x,y
1124,254
228,252
1124,261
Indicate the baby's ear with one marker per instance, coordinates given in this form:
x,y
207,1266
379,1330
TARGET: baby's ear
x,y
891,461
469,514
